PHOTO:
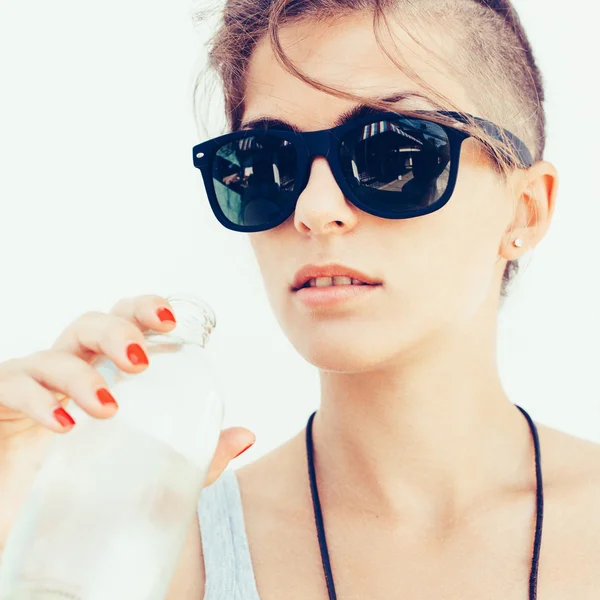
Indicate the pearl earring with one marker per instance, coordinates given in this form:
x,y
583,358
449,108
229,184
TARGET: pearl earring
x,y
518,243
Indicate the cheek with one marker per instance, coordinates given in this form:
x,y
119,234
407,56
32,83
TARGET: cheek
x,y
272,257
457,247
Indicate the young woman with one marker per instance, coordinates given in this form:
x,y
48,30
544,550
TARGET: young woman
x,y
385,158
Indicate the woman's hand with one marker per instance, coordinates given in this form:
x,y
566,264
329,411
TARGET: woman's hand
x,y
36,389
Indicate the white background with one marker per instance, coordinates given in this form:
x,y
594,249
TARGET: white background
x,y
100,200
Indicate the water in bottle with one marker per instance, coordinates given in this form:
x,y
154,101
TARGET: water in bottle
x,y
110,509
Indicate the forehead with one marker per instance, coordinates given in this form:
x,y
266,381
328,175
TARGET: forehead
x,y
345,54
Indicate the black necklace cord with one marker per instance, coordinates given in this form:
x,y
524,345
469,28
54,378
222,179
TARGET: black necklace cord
x,y
539,499
317,510
537,543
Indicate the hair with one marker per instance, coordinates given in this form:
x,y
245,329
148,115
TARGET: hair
x,y
493,61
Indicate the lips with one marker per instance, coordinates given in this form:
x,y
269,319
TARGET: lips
x,y
308,272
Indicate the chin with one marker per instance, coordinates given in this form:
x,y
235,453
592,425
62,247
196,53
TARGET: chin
x,y
349,353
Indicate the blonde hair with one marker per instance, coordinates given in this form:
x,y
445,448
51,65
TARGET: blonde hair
x,y
494,62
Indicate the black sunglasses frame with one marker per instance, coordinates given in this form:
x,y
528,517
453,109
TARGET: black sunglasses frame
x,y
326,143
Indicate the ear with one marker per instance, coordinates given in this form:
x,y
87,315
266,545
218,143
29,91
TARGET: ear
x,y
535,196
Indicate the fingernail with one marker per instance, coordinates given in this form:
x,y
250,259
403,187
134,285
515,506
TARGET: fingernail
x,y
244,450
105,397
164,314
63,417
136,355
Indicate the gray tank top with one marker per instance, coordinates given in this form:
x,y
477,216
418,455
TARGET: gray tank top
x,y
227,563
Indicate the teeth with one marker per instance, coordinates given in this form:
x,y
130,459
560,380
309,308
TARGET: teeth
x,y
329,281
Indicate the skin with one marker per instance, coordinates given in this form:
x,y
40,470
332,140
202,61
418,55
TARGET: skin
x,y
422,460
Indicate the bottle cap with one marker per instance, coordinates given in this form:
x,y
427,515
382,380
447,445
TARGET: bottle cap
x,y
195,321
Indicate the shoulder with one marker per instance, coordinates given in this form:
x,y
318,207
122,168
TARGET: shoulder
x,y
277,481
571,505
570,463
571,479
204,538
209,539
571,476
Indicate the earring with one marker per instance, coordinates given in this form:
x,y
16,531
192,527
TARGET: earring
x,y
518,243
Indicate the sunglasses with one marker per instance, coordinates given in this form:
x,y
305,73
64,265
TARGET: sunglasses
x,y
386,164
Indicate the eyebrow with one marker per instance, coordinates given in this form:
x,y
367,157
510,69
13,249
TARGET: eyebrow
x,y
356,112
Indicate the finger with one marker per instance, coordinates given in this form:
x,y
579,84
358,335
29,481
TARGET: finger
x,y
69,377
148,312
232,443
144,312
24,394
96,333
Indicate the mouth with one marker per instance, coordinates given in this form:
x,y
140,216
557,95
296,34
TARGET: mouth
x,y
333,275
338,281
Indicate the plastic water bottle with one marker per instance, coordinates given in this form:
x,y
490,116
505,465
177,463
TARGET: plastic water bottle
x,y
110,509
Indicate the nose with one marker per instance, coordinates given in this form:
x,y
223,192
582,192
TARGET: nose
x,y
322,207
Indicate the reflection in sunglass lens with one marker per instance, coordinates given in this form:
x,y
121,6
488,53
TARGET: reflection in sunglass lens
x,y
397,165
254,179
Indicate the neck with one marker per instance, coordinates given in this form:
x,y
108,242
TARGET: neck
x,y
427,437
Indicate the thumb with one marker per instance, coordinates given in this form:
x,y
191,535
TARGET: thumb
x,y
232,442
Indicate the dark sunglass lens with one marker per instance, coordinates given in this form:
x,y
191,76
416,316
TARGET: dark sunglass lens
x,y
254,179
397,166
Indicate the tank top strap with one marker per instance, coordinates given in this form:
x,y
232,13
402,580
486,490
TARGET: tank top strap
x,y
228,566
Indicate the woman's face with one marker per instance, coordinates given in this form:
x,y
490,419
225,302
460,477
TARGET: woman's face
x,y
440,272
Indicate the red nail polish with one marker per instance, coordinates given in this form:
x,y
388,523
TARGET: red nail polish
x,y
244,450
63,417
136,355
105,397
164,314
